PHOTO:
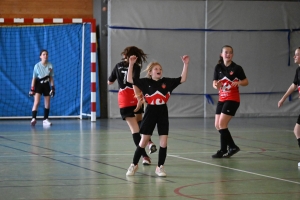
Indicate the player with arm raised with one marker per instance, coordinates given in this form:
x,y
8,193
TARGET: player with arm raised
x,y
128,96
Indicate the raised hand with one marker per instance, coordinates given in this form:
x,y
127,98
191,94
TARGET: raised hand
x,y
132,59
185,59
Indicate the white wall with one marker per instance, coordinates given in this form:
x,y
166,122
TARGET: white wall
x,y
258,31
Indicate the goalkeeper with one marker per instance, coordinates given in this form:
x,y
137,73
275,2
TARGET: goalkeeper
x,y
41,81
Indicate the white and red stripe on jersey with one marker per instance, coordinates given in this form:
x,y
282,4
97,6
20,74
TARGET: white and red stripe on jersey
x,y
227,75
227,91
157,92
157,98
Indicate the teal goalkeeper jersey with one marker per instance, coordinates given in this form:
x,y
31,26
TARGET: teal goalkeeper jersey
x,y
40,71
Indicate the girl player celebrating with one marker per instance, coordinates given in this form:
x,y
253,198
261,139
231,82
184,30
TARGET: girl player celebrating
x,y
126,96
228,76
156,91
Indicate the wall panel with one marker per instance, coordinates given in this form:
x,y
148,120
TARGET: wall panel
x,y
46,9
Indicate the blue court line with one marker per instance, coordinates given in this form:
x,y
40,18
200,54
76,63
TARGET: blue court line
x,y
211,101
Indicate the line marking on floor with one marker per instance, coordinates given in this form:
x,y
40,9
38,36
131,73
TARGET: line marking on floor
x,y
239,170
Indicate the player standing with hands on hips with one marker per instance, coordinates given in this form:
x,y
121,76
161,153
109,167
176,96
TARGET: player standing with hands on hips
x,y
228,76
42,76
156,90
291,89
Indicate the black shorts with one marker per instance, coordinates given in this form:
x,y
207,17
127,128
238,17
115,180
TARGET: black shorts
x,y
227,107
129,111
42,88
298,120
155,115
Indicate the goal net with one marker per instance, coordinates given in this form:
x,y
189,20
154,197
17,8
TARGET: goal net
x,y
69,48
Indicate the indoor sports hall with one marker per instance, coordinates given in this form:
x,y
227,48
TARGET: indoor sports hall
x,y
86,152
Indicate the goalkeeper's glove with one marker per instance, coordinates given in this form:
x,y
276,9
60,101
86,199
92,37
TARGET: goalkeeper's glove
x,y
52,92
31,92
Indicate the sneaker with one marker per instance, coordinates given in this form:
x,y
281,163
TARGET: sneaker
x,y
146,161
152,147
298,164
219,154
131,170
232,151
33,122
160,171
46,122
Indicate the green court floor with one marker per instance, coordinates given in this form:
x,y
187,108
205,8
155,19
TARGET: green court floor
x,y
79,159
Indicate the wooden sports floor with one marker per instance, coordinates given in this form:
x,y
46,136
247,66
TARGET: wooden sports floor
x,y
77,159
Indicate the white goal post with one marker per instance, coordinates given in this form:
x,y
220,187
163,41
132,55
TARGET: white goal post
x,y
6,22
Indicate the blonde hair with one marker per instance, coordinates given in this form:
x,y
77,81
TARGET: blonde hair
x,y
150,67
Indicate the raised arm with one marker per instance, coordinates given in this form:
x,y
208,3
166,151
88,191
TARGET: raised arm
x,y
185,59
132,60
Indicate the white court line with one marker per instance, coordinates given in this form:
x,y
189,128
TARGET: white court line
x,y
271,177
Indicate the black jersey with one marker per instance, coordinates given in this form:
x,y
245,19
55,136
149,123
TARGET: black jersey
x,y
227,75
297,78
157,92
126,97
120,73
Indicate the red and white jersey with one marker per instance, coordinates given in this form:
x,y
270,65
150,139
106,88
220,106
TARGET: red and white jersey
x,y
126,97
157,92
228,75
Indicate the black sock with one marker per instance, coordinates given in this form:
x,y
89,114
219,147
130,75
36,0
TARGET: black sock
x,y
34,113
162,154
298,141
229,139
223,139
136,139
137,155
46,113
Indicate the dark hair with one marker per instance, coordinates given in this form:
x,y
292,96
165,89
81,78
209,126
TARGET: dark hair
x,y
221,58
133,50
43,50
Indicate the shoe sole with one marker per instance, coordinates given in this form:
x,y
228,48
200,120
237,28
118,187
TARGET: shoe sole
x,y
152,149
146,164
218,157
228,156
161,175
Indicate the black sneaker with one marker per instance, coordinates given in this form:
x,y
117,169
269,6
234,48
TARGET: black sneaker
x,y
219,154
232,151
152,148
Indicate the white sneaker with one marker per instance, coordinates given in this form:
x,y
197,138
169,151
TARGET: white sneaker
x,y
46,122
160,171
298,164
33,122
131,170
